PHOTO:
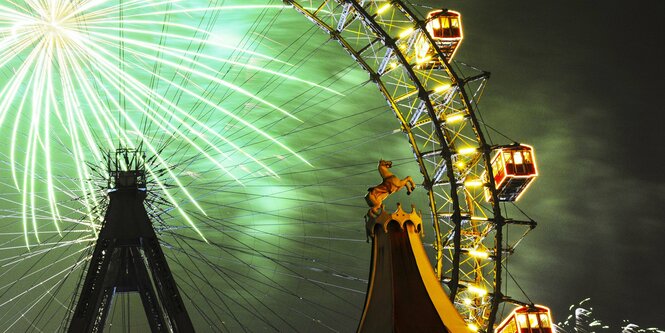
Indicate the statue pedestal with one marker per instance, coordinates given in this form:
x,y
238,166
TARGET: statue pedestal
x,y
399,216
404,294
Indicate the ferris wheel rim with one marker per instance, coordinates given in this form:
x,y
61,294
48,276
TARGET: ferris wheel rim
x,y
485,149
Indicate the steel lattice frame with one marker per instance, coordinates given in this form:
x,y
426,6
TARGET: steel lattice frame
x,y
436,111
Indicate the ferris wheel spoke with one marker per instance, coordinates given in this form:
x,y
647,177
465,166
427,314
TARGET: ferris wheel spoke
x,y
270,282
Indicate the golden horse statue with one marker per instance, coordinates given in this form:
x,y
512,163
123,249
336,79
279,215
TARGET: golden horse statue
x,y
391,184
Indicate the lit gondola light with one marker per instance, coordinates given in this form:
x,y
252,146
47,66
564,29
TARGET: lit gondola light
x,y
513,169
527,319
445,28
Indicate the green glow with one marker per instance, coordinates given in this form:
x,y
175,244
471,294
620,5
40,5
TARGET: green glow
x,y
271,218
71,94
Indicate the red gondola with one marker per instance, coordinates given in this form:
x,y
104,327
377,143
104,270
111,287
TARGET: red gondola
x,y
527,319
514,169
445,27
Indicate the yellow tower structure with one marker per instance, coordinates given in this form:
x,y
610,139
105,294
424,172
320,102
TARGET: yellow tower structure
x,y
404,294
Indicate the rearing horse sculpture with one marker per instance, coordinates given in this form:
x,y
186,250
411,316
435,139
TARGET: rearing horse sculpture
x,y
391,184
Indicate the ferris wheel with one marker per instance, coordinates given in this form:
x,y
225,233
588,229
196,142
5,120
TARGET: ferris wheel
x,y
257,252
434,101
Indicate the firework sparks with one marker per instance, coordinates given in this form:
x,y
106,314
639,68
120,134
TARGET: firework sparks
x,y
83,77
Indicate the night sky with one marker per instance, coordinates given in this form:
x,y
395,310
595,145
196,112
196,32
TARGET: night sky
x,y
581,81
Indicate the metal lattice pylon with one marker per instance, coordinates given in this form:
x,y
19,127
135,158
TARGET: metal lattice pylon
x,y
128,258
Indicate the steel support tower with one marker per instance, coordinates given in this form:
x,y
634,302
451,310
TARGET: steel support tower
x,y
128,257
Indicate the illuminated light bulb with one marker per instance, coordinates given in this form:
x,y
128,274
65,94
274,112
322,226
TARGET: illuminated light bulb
x,y
382,9
466,151
441,88
479,254
460,164
473,183
477,290
473,327
454,118
467,301
406,33
422,60
393,65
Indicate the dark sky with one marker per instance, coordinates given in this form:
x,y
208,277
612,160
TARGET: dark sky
x,y
583,82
